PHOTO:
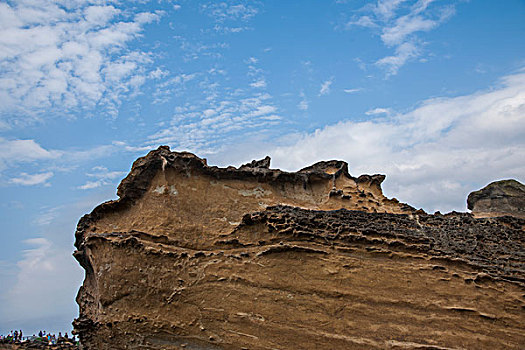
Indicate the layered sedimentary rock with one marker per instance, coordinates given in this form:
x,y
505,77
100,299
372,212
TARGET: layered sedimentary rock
x,y
200,257
505,197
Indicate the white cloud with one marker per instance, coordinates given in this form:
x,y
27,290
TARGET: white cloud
x,y
91,185
261,110
352,91
25,179
23,151
256,73
398,23
272,117
405,26
230,11
228,29
252,60
404,53
158,73
414,22
377,111
17,152
60,56
259,84
230,16
172,87
102,177
47,216
434,155
325,87
364,21
100,15
385,9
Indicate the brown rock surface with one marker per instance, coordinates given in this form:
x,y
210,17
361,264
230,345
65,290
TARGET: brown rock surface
x,y
200,257
499,198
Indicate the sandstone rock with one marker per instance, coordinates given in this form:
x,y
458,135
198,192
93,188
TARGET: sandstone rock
x,y
505,197
200,257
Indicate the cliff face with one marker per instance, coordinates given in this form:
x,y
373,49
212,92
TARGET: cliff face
x,y
223,258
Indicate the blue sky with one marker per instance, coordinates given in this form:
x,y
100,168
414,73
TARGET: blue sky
x,y
429,92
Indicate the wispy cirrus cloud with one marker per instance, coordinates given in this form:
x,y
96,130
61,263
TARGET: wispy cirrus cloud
x,y
230,10
398,23
39,164
231,16
101,176
62,56
352,91
403,53
325,87
26,179
171,87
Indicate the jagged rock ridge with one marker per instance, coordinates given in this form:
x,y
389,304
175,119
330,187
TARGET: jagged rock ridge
x,y
223,258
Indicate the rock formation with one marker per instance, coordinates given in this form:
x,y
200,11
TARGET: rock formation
x,y
505,197
200,257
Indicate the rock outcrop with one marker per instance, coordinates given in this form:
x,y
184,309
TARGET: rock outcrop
x,y
505,197
199,257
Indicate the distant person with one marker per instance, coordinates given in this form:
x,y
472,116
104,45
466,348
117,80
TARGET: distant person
x,y
40,334
65,336
20,335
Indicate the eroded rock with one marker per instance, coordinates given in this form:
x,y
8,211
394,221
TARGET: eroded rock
x,y
200,257
499,198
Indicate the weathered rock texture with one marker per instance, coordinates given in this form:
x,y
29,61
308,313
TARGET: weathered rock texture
x,y
505,197
254,258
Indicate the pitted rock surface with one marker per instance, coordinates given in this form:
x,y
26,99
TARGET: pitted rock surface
x,y
499,198
199,257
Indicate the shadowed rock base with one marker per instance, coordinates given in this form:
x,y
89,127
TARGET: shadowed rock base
x,y
198,257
